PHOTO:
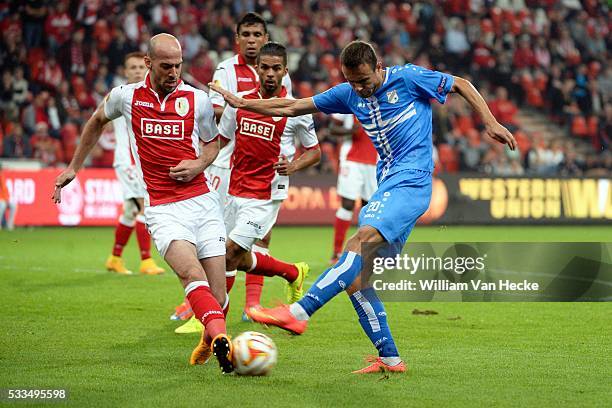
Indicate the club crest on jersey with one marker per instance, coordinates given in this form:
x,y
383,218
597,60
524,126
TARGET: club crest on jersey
x,y
257,128
181,106
392,96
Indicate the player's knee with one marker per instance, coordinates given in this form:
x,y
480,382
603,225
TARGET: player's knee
x,y
233,255
191,273
354,287
364,235
348,204
130,211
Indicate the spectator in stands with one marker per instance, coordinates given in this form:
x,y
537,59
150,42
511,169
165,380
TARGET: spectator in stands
x,y
133,23
36,112
45,148
58,26
74,54
34,14
504,109
570,165
202,68
457,45
16,143
20,87
471,151
164,15
192,42
49,74
7,92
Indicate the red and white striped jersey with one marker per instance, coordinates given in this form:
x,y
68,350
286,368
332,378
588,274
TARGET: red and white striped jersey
x,y
235,75
258,140
162,133
358,148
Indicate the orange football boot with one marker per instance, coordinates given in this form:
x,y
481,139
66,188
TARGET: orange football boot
x,y
280,317
378,366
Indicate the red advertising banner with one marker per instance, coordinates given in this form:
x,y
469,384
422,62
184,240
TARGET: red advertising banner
x,y
94,198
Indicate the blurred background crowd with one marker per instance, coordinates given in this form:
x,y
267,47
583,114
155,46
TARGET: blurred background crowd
x,y
543,66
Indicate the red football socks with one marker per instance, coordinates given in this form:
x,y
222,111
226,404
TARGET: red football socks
x,y
144,240
340,228
206,308
122,235
254,286
268,266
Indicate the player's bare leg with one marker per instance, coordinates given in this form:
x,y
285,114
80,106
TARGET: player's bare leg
x,y
206,292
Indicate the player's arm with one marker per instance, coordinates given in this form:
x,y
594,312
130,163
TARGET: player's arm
x,y
493,129
309,158
268,107
89,138
218,112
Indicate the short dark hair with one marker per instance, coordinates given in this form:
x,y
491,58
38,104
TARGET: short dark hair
x,y
135,54
251,19
357,53
275,49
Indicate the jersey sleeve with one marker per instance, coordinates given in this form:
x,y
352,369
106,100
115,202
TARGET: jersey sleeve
x,y
221,78
428,84
206,121
113,103
288,85
227,124
305,131
334,100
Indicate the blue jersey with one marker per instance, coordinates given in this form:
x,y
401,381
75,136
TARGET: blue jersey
x,y
397,117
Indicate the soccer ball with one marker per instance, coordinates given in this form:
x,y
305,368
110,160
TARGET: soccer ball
x,y
254,354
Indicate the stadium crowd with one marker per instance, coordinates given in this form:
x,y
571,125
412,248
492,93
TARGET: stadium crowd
x,y
58,60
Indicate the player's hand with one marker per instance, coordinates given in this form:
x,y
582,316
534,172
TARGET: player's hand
x,y
186,170
501,134
283,166
62,180
233,100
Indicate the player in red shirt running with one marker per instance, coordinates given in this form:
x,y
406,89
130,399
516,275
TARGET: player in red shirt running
x,y
172,130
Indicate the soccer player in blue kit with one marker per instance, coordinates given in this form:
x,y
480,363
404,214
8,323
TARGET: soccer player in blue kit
x,y
393,106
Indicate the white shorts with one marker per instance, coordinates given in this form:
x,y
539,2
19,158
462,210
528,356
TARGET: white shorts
x,y
356,180
198,220
219,178
131,185
249,219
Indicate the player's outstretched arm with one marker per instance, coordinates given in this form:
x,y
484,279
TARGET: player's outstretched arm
x,y
492,127
268,107
89,138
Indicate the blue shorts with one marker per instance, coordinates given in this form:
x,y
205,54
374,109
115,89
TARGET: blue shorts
x,y
398,203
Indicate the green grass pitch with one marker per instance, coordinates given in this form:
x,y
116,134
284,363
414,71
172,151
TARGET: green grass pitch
x,y
67,323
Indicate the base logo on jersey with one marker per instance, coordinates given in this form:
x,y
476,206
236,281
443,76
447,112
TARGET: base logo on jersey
x,y
162,129
181,106
257,128
392,96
